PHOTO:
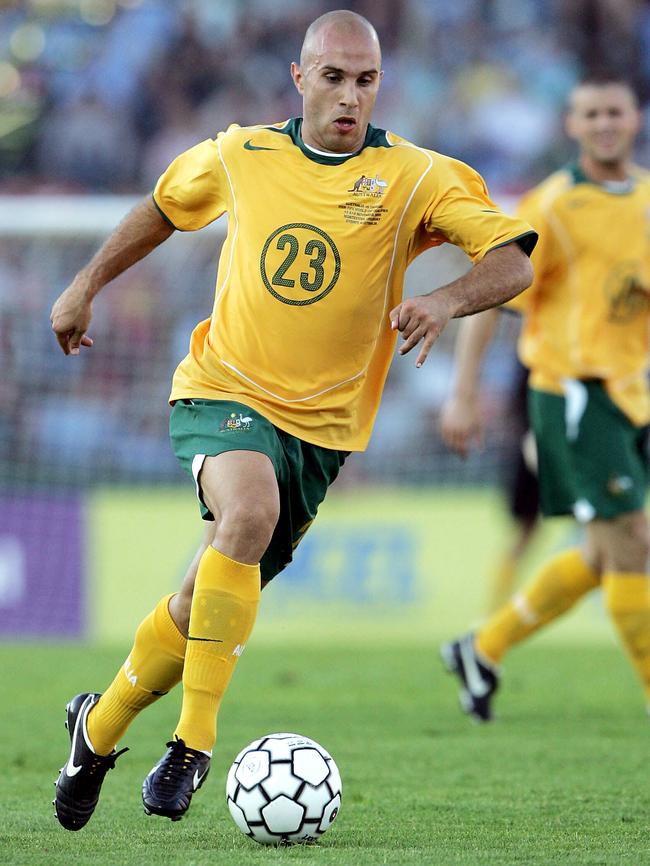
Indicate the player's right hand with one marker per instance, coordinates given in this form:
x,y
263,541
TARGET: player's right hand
x,y
70,317
460,425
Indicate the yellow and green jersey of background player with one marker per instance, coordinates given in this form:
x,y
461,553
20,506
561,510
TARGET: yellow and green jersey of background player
x,y
587,312
313,261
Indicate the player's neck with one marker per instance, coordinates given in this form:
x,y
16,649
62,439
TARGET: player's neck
x,y
600,172
312,143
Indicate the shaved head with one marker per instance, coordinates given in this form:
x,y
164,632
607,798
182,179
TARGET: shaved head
x,y
341,22
338,78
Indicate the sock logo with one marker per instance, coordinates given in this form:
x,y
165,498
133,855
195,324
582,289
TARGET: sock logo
x,y
239,649
130,673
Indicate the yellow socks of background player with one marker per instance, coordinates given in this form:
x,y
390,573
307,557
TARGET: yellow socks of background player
x,y
627,597
224,607
555,588
152,668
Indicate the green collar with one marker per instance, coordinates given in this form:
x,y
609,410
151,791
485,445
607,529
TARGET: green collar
x,y
374,138
615,187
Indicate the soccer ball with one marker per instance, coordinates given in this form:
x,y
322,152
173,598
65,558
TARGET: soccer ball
x,y
282,789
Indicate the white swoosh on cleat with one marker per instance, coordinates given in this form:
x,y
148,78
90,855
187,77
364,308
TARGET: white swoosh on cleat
x,y
196,781
476,685
70,768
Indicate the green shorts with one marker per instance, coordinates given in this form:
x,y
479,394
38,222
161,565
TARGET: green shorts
x,y
202,428
592,459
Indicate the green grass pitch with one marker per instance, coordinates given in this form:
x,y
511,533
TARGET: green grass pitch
x,y
561,778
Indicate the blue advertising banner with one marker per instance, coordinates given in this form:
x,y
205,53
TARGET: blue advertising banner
x,y
42,590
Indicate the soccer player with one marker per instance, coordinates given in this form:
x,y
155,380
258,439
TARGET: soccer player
x,y
284,378
585,342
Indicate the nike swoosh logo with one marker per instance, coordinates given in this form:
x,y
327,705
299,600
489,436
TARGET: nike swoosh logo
x,y
248,145
196,781
475,683
70,768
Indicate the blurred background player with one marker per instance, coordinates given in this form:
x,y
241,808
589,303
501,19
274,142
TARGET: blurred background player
x,y
518,474
585,341
263,421
521,495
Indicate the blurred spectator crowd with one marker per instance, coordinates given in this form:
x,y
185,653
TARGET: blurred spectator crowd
x,y
100,95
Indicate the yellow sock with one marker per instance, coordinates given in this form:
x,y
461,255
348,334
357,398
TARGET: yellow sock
x,y
224,607
152,668
553,590
627,596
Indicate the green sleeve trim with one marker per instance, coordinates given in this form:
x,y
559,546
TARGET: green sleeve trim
x,y
527,242
163,214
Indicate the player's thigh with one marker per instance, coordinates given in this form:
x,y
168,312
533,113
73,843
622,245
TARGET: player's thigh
x,y
240,487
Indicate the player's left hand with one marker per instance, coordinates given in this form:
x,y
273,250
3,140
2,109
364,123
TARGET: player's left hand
x,y
70,318
420,319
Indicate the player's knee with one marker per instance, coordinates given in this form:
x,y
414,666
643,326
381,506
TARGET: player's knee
x,y
247,526
631,543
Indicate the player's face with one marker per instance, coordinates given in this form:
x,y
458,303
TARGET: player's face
x,y
338,82
604,120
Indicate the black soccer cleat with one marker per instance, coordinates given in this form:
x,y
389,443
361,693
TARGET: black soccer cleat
x,y
478,678
80,780
168,788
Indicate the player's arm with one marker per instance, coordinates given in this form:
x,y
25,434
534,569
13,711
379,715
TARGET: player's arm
x,y
460,421
141,230
503,273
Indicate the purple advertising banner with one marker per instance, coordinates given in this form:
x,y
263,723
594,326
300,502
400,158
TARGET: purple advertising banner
x,y
42,590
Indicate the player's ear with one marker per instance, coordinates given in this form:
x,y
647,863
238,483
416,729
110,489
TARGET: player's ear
x,y
296,74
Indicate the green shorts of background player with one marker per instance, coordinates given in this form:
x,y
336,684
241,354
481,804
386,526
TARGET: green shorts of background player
x,y
592,460
593,464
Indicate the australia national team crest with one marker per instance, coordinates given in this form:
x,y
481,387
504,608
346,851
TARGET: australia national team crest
x,y
369,186
360,208
236,422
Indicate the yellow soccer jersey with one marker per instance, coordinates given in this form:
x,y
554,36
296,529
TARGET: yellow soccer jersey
x,y
313,261
588,309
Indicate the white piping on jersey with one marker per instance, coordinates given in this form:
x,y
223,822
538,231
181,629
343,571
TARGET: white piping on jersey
x,y
329,152
234,237
388,278
296,399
